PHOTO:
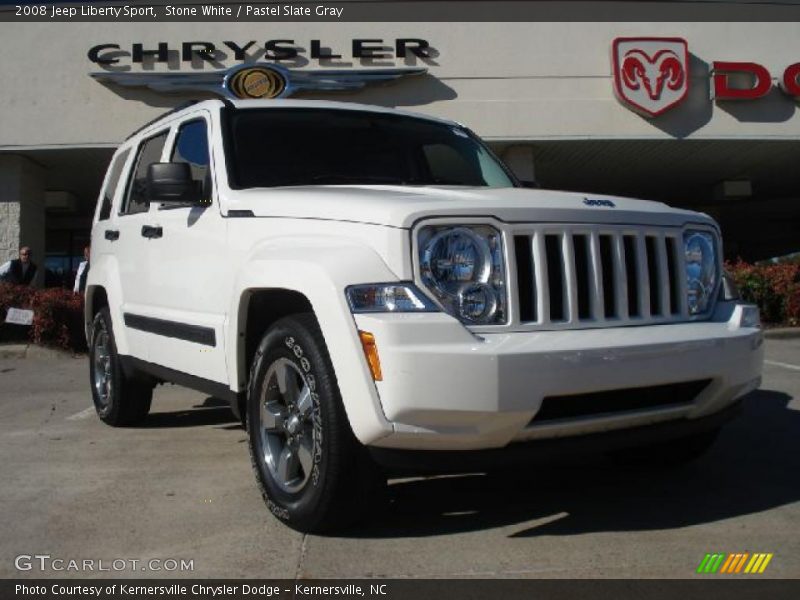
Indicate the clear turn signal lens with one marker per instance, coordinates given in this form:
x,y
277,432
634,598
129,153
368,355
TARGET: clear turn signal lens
x,y
388,297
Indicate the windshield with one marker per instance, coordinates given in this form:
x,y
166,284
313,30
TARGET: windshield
x,y
307,146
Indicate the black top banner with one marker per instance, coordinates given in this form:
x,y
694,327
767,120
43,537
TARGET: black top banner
x,y
404,11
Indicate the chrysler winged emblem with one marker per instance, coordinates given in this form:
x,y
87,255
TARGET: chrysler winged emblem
x,y
651,75
260,80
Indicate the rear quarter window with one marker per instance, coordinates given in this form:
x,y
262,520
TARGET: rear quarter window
x,y
110,189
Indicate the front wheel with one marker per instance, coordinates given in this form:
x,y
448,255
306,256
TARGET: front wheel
x,y
312,472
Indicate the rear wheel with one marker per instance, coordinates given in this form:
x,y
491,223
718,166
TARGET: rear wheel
x,y
118,400
313,473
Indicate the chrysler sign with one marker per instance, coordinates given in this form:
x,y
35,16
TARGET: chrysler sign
x,y
284,49
260,75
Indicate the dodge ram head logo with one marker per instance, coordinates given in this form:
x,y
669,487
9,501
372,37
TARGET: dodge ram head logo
x,y
651,75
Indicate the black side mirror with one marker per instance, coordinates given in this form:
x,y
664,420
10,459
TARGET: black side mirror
x,y
172,183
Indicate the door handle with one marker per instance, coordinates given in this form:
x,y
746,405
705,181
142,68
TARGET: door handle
x,y
152,231
112,234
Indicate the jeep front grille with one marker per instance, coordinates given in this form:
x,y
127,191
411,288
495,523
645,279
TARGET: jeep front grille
x,y
580,276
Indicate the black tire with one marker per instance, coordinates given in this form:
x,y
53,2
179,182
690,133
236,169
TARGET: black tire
x,y
312,496
127,401
668,454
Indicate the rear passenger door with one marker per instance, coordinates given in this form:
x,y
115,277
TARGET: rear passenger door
x,y
104,266
131,246
104,229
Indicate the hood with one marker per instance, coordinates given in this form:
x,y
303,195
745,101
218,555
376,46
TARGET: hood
x,y
403,206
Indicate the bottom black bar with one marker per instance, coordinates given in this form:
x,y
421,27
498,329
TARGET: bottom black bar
x,y
705,588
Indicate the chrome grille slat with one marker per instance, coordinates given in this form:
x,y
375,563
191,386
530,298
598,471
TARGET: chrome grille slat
x,y
663,275
570,279
541,277
596,291
643,277
620,279
593,278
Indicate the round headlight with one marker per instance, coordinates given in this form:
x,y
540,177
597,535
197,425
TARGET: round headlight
x,y
701,270
476,302
454,257
698,295
463,267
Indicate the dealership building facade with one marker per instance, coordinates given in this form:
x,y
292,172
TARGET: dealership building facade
x,y
697,115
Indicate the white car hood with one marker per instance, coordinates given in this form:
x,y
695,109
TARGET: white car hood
x,y
403,206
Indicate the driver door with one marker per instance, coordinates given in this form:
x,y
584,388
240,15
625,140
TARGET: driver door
x,y
188,265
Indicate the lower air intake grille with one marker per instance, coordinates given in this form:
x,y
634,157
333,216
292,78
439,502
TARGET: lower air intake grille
x,y
618,401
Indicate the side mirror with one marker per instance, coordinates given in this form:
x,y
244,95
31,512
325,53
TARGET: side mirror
x,y
172,183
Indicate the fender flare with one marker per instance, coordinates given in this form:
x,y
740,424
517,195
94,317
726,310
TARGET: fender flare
x,y
105,274
320,270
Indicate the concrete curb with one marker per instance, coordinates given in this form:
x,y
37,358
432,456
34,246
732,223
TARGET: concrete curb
x,y
782,333
43,352
34,351
13,350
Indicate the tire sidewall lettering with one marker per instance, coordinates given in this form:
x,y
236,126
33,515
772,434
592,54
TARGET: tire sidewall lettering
x,y
278,511
316,417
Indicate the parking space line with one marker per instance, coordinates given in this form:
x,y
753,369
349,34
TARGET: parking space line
x,y
781,364
85,413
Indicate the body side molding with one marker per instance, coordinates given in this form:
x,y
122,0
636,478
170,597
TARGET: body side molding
x,y
174,329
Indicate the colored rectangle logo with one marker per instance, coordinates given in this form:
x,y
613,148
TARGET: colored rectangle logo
x,y
735,563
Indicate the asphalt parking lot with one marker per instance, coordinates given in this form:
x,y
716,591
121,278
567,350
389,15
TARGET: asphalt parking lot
x,y
180,487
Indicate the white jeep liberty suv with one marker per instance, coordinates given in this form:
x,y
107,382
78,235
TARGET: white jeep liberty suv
x,y
373,289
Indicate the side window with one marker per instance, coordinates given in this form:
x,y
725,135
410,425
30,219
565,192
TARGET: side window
x,y
149,153
111,186
191,146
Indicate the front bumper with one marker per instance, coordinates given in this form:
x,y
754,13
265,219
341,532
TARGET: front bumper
x,y
445,388
545,451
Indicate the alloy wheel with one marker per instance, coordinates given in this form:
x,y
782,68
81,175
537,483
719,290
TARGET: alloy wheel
x,y
286,426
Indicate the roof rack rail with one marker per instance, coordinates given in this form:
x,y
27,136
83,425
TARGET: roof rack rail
x,y
180,107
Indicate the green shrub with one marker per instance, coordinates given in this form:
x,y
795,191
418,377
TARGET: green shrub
x,y
775,288
57,315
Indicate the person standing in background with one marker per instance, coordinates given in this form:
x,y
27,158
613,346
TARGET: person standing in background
x,y
83,271
20,271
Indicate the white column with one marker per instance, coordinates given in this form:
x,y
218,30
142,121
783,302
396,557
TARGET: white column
x,y
22,184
